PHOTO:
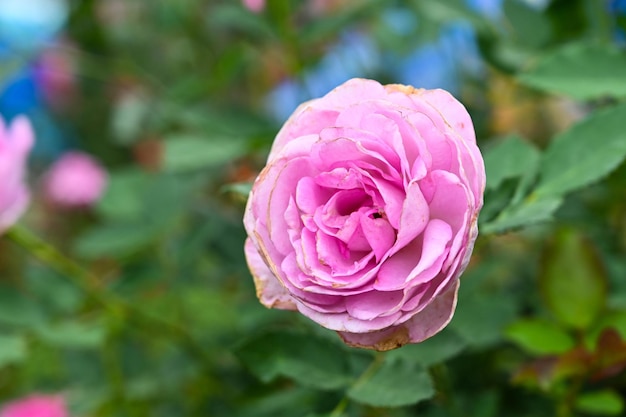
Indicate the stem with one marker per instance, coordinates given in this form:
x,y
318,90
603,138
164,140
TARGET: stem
x,y
92,287
340,408
66,267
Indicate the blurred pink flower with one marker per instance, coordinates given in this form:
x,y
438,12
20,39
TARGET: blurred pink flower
x,y
255,6
16,141
36,406
75,180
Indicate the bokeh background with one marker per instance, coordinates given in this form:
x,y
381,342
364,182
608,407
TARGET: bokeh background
x,y
139,303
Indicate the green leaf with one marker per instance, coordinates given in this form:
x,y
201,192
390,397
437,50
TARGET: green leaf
x,y
441,347
73,334
122,199
572,280
393,384
18,310
188,153
114,240
605,402
308,359
12,349
512,157
581,70
481,326
526,213
539,337
584,154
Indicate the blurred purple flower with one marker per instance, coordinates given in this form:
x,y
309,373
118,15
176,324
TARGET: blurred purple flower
x,y
75,180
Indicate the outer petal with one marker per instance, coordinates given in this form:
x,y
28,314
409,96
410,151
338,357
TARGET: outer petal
x,y
269,290
420,327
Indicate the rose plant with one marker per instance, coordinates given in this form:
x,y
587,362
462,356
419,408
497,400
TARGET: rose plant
x,y
366,213
16,141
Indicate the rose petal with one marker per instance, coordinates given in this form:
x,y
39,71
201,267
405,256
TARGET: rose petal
x,y
269,290
414,217
420,327
372,304
344,322
400,269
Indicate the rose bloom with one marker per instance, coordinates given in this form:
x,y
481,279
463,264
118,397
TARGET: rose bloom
x,y
75,180
365,215
36,406
16,141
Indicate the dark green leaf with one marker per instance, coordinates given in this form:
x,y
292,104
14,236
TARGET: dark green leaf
x,y
539,337
584,154
582,71
308,359
481,318
393,384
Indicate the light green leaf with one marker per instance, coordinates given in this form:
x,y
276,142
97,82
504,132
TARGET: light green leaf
x,y
439,348
12,349
572,280
606,402
581,70
393,384
188,153
512,157
540,337
308,359
584,154
73,334
526,213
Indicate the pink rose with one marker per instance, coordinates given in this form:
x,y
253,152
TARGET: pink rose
x,y
36,406
75,180
365,215
16,141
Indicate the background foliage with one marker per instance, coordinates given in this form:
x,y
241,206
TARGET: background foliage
x,y
153,312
